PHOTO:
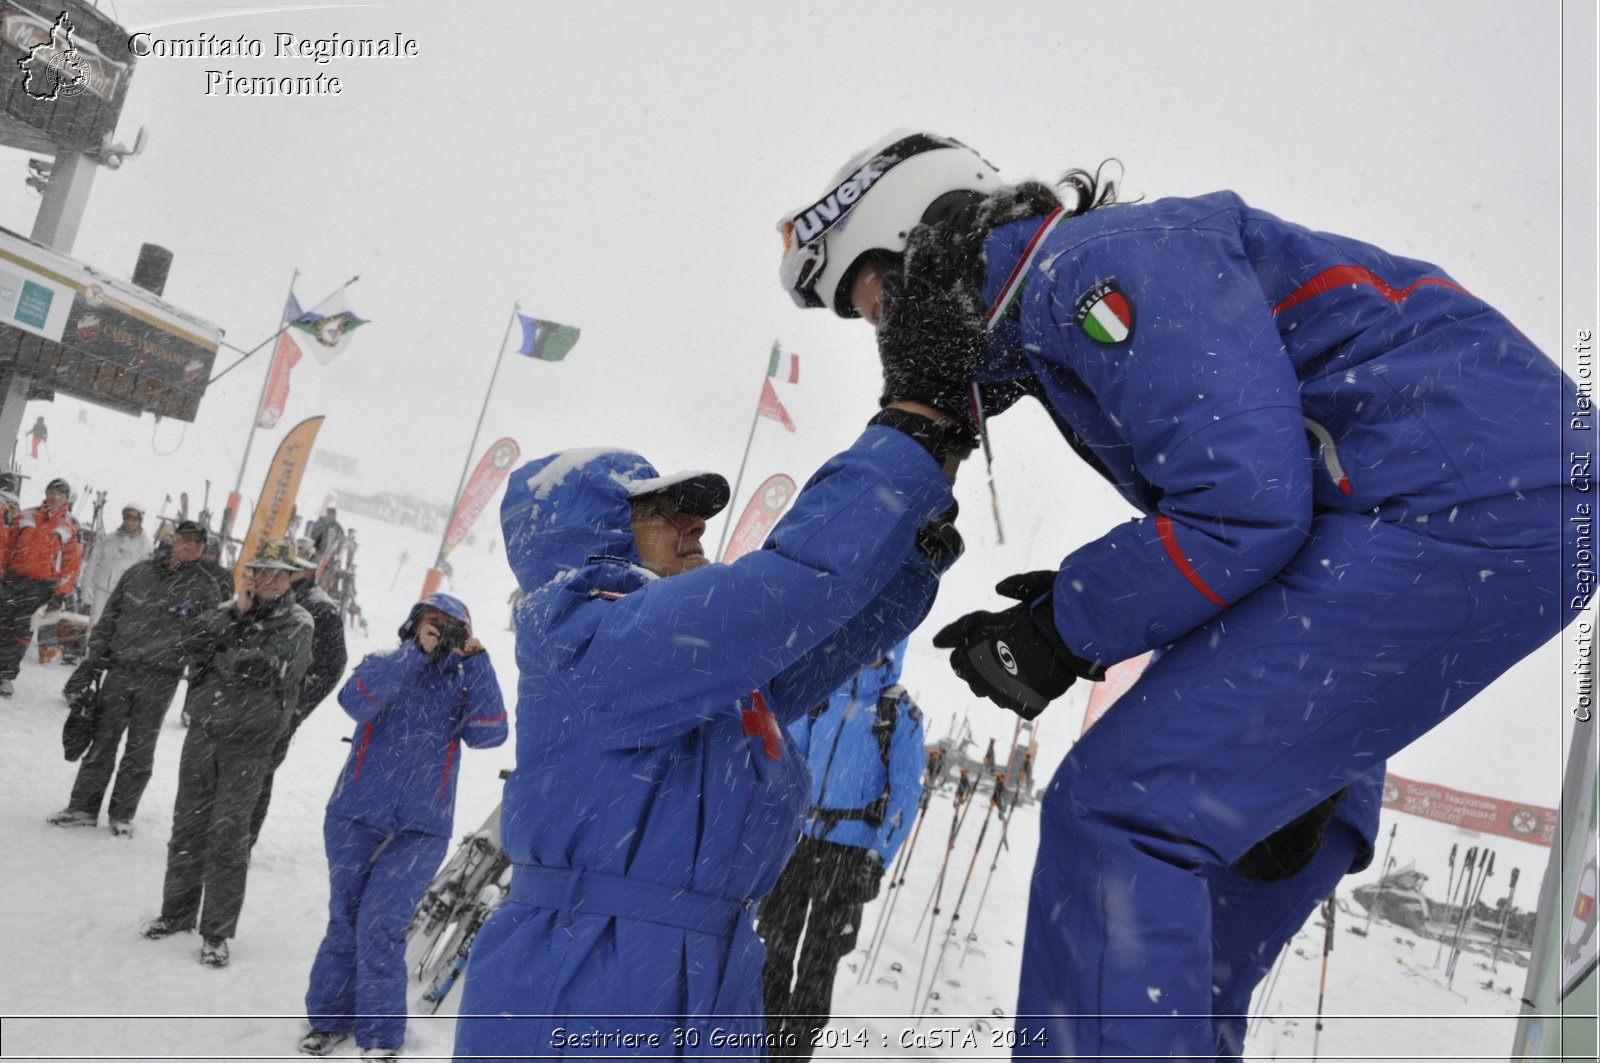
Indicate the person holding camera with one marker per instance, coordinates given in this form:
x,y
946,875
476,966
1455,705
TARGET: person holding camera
x,y
389,820
256,649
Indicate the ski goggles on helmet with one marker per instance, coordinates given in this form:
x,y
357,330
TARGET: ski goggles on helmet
x,y
820,249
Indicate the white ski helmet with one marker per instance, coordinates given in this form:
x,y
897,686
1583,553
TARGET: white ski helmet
x,y
872,204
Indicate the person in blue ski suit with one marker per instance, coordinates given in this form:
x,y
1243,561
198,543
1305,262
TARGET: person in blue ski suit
x,y
864,746
1350,473
388,821
657,791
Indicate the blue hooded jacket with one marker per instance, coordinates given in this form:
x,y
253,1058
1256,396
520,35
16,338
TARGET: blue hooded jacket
x,y
1233,374
841,743
651,747
411,717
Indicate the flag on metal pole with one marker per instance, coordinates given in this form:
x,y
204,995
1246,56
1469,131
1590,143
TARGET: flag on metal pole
x,y
545,340
327,325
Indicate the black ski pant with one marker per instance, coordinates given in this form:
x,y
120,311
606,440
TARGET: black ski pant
x,y
134,700
20,598
279,752
209,855
820,895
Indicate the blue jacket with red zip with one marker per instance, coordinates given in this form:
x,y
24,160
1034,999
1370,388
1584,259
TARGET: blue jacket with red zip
x,y
1233,375
411,717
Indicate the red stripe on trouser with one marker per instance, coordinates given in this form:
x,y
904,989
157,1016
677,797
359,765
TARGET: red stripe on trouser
x,y
1170,541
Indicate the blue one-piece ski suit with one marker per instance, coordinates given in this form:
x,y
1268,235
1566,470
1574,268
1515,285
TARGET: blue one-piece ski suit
x,y
1350,470
389,820
656,794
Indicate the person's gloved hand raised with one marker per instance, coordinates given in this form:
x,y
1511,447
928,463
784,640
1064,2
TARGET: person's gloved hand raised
x,y
1015,657
930,334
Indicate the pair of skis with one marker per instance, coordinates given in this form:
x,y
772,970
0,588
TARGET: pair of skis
x,y
459,900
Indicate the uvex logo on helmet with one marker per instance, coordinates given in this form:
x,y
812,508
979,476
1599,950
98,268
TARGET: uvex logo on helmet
x,y
831,208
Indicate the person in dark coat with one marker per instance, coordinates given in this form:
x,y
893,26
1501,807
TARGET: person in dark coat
x,y
864,746
38,434
256,652
328,659
147,634
389,819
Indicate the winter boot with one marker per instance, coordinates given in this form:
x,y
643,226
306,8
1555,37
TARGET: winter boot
x,y
381,1055
214,952
321,1042
122,828
162,927
6,689
69,817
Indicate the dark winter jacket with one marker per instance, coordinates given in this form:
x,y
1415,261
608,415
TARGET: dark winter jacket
x,y
154,618
1232,374
865,749
249,674
328,655
412,715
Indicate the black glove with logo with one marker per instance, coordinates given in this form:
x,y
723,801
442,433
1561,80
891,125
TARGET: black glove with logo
x,y
1015,657
930,334
1288,851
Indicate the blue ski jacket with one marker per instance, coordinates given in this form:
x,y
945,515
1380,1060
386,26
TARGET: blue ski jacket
x,y
1233,374
657,793
411,717
852,782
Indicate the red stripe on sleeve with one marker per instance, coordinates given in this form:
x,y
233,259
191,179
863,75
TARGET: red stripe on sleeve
x,y
1170,541
1344,276
362,687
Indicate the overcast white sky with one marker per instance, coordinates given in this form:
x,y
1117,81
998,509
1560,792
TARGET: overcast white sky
x,y
621,167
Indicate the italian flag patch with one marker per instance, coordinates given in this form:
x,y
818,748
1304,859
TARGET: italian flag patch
x,y
1105,314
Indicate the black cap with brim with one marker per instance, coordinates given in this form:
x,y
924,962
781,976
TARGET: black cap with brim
x,y
700,494
191,528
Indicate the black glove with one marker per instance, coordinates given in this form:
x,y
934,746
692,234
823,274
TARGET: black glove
x,y
930,335
1287,852
939,542
1016,658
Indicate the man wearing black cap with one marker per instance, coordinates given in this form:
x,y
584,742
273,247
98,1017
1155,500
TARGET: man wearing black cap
x,y
46,555
146,635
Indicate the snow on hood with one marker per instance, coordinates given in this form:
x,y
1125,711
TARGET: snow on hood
x,y
568,508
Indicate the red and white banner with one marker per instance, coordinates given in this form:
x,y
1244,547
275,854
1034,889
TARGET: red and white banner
x,y
1533,824
492,470
1119,677
770,501
276,396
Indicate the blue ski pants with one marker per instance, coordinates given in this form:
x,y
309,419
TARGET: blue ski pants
x,y
1373,634
358,980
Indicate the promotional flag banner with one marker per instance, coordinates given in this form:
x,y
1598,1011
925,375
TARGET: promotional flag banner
x,y
276,504
1533,824
493,468
276,396
545,340
327,325
769,503
769,406
1119,677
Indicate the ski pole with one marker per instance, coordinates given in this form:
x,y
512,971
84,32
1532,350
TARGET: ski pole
x,y
1504,917
995,798
1266,998
1328,908
1000,847
1467,865
897,875
1468,900
950,844
1383,880
1466,918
